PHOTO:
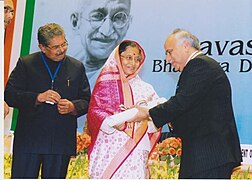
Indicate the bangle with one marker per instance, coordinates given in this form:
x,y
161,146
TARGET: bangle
x,y
125,126
149,117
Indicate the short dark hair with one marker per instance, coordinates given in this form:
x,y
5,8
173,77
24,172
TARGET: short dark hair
x,y
48,31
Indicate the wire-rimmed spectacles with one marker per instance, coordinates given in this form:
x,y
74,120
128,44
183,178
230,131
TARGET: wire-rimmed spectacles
x,y
119,19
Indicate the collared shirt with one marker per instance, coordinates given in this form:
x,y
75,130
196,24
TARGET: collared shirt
x,y
193,55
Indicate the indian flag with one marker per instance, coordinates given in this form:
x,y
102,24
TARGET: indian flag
x,y
17,43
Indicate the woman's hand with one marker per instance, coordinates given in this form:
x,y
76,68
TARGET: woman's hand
x,y
121,127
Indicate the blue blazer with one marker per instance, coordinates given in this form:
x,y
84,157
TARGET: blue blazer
x,y
40,128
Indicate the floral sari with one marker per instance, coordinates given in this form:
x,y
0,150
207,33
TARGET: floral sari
x,y
113,153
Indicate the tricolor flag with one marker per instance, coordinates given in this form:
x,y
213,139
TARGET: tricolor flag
x,y
16,43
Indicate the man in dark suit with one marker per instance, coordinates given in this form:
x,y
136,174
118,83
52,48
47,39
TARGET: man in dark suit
x,y
50,90
201,111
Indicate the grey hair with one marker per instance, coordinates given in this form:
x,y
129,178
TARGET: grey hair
x,y
49,31
181,35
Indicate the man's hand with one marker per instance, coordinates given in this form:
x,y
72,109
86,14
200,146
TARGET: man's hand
x,y
142,114
65,106
49,95
6,109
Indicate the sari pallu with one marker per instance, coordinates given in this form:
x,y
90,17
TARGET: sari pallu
x,y
111,90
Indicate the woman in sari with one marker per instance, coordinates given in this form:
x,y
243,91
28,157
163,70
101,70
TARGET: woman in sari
x,y
120,151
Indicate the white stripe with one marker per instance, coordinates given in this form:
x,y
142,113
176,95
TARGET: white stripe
x,y
18,32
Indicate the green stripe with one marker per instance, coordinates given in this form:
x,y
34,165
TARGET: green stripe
x,y
27,29
26,43
14,119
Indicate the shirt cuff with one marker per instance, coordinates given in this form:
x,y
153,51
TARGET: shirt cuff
x,y
106,128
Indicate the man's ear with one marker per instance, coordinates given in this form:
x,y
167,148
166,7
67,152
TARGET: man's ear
x,y
74,18
186,44
42,48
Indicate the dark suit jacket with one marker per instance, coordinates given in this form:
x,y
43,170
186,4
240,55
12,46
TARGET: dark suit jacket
x,y
201,114
40,128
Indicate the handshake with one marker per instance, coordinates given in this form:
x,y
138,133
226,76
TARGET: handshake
x,y
135,114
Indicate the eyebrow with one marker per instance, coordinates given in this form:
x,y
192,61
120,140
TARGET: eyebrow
x,y
168,51
9,8
103,10
120,8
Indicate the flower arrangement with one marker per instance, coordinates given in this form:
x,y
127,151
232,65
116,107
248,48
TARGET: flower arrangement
x,y
82,142
7,165
78,165
165,159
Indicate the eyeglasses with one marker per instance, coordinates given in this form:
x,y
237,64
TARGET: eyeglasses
x,y
168,51
8,9
119,20
57,47
131,58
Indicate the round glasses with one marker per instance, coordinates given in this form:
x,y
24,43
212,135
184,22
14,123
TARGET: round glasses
x,y
119,20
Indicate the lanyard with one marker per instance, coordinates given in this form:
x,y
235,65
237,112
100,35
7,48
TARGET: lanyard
x,y
53,76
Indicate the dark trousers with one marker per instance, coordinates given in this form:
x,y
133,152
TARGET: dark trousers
x,y
221,172
26,166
